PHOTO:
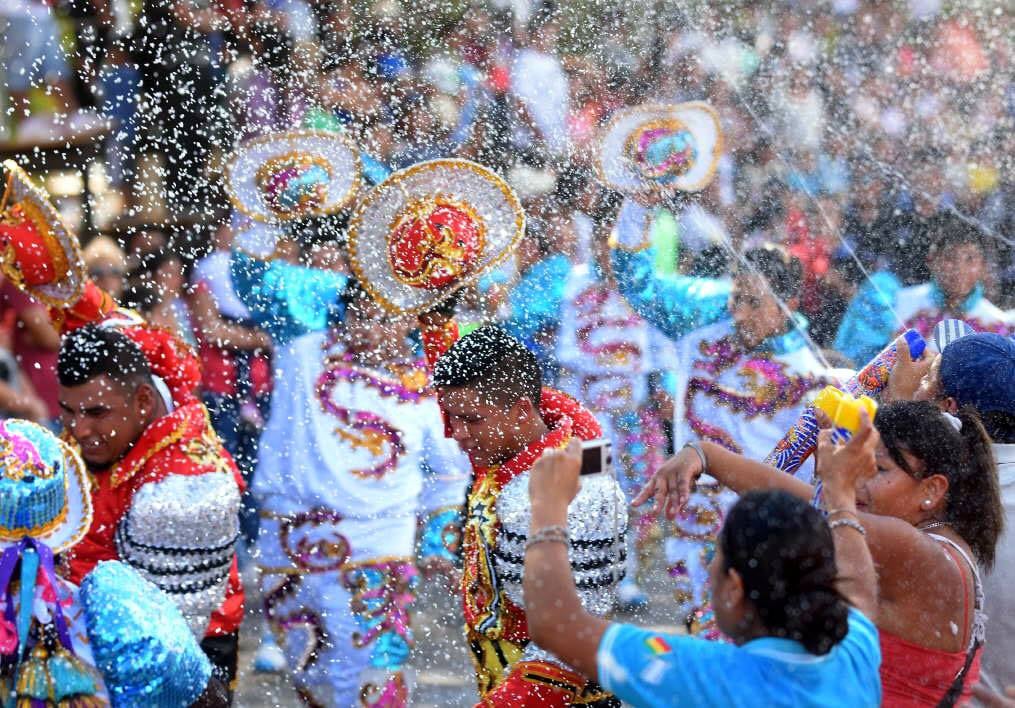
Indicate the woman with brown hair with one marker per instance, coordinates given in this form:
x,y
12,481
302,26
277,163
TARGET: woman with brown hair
x,y
932,514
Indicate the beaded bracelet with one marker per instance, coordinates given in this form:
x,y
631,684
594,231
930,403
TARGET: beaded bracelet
x,y
553,534
851,512
701,455
848,523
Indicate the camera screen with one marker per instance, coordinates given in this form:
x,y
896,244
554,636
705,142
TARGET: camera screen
x,y
597,456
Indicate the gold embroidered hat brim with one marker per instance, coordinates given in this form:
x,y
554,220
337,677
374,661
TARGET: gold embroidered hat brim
x,y
617,170
244,164
461,181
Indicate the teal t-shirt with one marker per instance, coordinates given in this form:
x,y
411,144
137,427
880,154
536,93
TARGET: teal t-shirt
x,y
645,668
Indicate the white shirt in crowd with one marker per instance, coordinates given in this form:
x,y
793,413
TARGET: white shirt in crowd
x,y
539,82
213,271
999,652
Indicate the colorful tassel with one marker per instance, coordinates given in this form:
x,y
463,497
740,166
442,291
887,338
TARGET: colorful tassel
x,y
69,676
33,679
52,677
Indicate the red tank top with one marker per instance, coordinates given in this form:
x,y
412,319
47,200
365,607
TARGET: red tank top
x,y
913,676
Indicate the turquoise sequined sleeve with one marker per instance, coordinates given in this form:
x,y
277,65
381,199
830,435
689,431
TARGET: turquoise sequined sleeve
x,y
675,304
869,322
536,300
445,479
286,300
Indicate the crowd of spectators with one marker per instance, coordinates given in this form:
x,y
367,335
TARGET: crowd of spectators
x,y
849,126
872,139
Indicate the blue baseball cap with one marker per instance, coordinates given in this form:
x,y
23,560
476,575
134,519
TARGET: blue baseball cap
x,y
979,370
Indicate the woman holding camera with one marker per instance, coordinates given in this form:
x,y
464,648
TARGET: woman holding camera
x,y
794,593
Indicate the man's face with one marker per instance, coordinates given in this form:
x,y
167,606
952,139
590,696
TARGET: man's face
x,y
368,327
957,269
104,418
755,310
485,429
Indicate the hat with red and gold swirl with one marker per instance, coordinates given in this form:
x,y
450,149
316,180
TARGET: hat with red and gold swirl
x,y
40,254
285,176
661,148
430,229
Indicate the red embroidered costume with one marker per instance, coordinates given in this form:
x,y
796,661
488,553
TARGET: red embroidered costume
x,y
510,669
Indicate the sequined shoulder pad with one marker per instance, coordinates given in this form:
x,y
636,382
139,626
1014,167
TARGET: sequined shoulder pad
x,y
179,533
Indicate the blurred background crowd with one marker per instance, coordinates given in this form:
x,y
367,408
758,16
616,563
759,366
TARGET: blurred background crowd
x,y
849,125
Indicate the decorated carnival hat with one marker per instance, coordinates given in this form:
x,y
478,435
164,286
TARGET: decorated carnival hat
x,y
661,148
430,229
41,255
45,508
294,175
44,491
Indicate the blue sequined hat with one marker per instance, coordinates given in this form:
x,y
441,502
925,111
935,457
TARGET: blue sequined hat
x,y
141,643
661,148
44,490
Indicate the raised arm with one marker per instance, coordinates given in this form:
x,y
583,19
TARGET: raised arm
x,y
899,550
840,468
673,482
676,304
556,619
284,299
439,332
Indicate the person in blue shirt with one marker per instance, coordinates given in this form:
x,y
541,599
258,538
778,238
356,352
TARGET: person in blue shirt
x,y
958,263
796,596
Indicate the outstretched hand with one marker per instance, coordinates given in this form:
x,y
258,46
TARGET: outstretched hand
x,y
672,484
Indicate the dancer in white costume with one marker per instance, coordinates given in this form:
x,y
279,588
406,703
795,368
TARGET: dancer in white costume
x,y
354,453
354,448
747,372
607,353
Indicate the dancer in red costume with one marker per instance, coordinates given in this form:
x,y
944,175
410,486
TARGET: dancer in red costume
x,y
452,221
165,492
489,390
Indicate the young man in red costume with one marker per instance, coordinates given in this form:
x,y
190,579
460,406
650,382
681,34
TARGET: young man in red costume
x,y
165,492
489,389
